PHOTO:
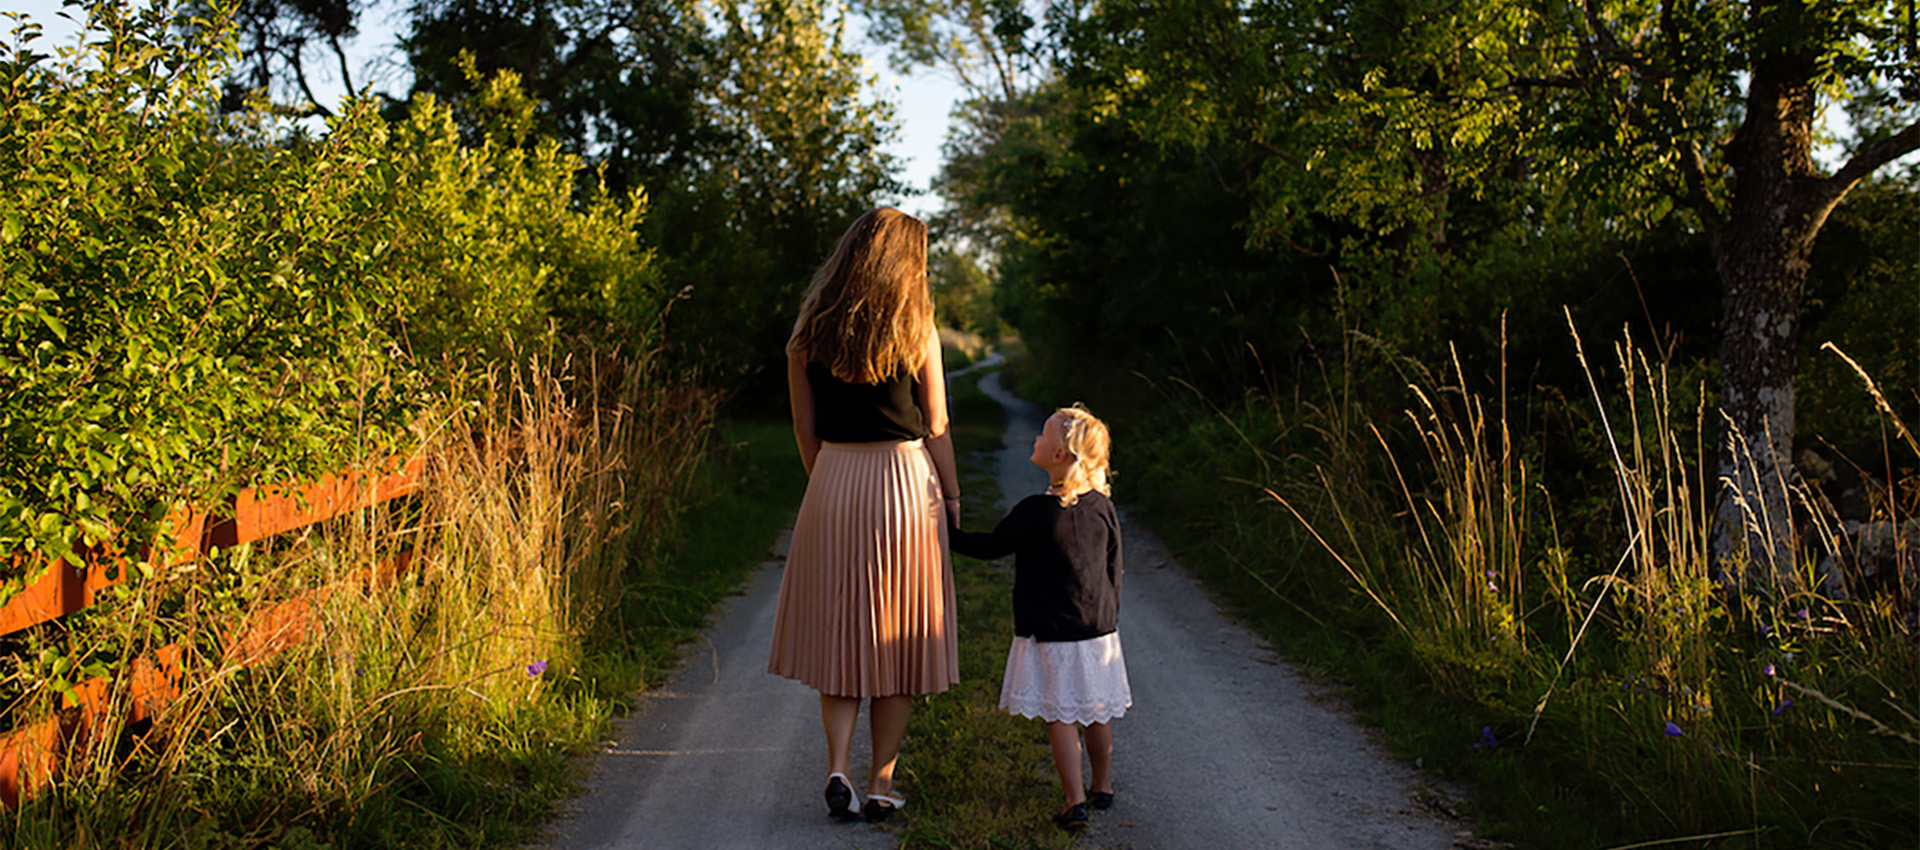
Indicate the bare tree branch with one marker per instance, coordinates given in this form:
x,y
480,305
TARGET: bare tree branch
x,y
1870,158
1564,81
292,54
1693,169
1612,50
989,45
340,54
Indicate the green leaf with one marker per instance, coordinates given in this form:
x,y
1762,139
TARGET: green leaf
x,y
54,324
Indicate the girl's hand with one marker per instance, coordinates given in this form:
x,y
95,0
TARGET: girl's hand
x,y
953,511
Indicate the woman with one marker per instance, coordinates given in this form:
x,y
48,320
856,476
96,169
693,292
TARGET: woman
x,y
866,604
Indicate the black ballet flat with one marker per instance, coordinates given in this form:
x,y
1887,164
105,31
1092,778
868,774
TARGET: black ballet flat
x,y
879,807
840,798
1072,818
1102,800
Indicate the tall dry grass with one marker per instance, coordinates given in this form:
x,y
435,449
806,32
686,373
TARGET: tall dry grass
x,y
1705,707
441,668
1454,576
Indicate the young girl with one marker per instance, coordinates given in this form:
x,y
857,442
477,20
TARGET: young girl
x,y
1065,665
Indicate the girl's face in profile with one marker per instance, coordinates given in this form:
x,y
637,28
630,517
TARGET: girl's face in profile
x,y
1050,447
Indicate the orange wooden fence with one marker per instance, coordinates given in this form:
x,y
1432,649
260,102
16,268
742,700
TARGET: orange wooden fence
x,y
30,755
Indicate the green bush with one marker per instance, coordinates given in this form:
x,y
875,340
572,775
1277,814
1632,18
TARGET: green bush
x,y
199,302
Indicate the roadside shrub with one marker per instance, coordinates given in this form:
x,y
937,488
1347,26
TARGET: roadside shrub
x,y
201,302
198,302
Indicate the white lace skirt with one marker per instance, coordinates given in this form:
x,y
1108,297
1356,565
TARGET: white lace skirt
x,y
1080,681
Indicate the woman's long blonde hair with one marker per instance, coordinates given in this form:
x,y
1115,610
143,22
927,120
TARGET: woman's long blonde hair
x,y
1087,440
867,314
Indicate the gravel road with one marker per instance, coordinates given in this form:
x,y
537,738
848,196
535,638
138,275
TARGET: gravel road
x,y
1225,747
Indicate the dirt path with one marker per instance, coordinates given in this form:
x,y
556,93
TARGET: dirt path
x,y
1225,747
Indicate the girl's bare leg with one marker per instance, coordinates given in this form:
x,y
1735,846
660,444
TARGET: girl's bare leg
x,y
887,722
839,714
1066,759
1100,754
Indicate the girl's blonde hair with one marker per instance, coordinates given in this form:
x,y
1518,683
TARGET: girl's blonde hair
x,y
1087,440
867,314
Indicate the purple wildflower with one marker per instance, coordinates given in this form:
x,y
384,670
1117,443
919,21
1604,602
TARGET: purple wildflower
x,y
1802,613
1766,630
1785,703
1769,670
1486,739
1673,730
537,668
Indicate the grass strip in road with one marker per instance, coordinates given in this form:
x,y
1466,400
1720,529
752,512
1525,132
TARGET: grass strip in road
x,y
978,777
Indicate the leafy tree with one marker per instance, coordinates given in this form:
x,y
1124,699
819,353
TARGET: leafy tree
x,y
802,160
621,83
1861,297
1113,250
747,121
982,43
963,290
1391,114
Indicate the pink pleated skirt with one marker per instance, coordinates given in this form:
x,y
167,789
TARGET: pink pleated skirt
x,y
866,601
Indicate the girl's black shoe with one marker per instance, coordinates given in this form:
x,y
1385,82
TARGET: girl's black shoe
x,y
1071,818
1102,800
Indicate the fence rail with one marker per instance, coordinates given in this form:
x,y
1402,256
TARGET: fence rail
x,y
30,755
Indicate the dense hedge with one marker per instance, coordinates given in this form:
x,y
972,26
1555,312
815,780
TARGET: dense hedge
x,y
195,301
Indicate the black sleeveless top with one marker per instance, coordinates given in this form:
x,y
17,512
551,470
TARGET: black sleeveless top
x,y
865,413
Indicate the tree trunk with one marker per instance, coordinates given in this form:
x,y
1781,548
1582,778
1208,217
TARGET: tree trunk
x,y
1777,208
1763,270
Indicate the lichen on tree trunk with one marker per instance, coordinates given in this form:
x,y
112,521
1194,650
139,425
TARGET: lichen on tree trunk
x,y
1762,253
1754,534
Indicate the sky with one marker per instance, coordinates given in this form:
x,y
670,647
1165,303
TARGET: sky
x,y
922,100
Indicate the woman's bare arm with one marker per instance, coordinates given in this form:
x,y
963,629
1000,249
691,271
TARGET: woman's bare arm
x,y
800,401
933,403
